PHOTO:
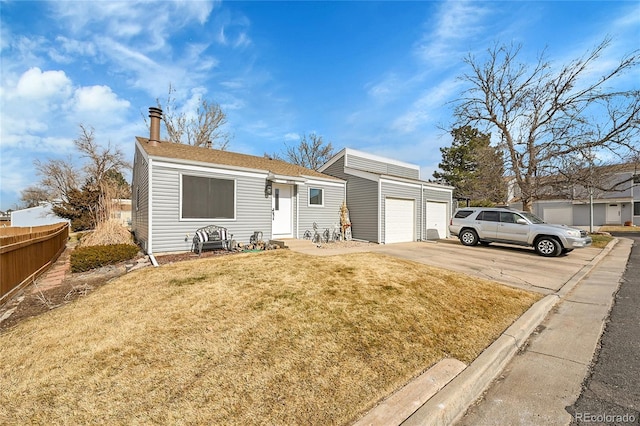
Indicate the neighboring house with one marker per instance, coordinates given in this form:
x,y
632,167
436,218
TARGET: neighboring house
x,y
178,188
5,217
36,216
121,211
571,204
387,200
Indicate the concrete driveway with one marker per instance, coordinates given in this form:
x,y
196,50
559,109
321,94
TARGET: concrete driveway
x,y
512,265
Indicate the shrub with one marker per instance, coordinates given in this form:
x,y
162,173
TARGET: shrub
x,y
90,257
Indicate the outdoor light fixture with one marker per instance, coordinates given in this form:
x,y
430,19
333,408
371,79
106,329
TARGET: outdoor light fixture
x,y
267,190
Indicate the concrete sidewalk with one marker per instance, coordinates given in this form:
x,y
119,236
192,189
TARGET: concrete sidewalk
x,y
534,385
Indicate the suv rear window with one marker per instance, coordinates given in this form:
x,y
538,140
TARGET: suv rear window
x,y
461,214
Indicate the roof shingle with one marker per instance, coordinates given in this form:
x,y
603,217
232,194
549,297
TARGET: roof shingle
x,y
227,158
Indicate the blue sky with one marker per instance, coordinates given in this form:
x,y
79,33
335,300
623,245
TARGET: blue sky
x,y
373,76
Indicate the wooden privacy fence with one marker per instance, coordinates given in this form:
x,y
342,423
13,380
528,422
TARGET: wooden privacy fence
x,y
26,252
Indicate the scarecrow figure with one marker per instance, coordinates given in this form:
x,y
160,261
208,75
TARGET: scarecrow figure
x,y
345,223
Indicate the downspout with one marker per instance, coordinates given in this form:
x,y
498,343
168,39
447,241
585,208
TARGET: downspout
x,y
150,208
423,223
380,212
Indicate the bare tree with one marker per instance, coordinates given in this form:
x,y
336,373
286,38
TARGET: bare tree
x,y
31,196
58,177
90,188
545,118
204,127
102,161
311,152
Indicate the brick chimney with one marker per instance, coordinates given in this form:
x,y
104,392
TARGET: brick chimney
x,y
155,114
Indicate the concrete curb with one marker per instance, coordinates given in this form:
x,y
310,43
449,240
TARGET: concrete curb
x,y
452,401
400,405
570,285
450,404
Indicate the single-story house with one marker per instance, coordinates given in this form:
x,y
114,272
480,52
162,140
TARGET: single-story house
x,y
178,188
387,200
573,204
39,215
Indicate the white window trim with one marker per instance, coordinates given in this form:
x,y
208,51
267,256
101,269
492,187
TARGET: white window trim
x,y
309,197
217,219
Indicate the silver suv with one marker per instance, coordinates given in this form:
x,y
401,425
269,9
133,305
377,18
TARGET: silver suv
x,y
486,225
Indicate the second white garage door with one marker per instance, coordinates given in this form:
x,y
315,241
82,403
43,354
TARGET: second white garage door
x,y
399,220
436,220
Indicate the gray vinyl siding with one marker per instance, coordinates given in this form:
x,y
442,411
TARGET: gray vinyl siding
x,y
581,215
326,216
337,169
380,167
140,200
392,190
362,202
253,210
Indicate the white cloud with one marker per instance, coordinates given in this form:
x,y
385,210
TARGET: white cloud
x,y
35,84
221,38
455,23
387,88
243,40
291,137
40,110
98,98
427,108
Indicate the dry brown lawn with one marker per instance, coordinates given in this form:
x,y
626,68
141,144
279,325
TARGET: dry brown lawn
x,y
630,229
268,338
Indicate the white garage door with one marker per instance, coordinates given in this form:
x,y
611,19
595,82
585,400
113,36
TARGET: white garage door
x,y
559,215
399,220
436,220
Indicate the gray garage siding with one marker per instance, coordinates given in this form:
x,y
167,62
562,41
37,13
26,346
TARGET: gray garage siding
x,y
380,167
337,169
253,210
406,191
326,216
140,199
362,201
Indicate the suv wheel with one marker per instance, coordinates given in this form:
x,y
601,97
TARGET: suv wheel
x,y
468,237
548,247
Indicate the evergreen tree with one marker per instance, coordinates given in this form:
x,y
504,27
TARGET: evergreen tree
x,y
473,167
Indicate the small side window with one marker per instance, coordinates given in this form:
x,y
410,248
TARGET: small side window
x,y
315,197
461,214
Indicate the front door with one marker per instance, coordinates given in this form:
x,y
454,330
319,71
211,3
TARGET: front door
x,y
282,210
613,214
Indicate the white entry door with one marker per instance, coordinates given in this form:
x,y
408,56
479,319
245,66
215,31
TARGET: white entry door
x,y
613,214
282,210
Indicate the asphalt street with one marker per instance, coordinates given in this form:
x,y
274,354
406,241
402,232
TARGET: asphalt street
x,y
611,392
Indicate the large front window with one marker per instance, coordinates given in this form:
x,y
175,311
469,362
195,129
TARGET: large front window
x,y
207,198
